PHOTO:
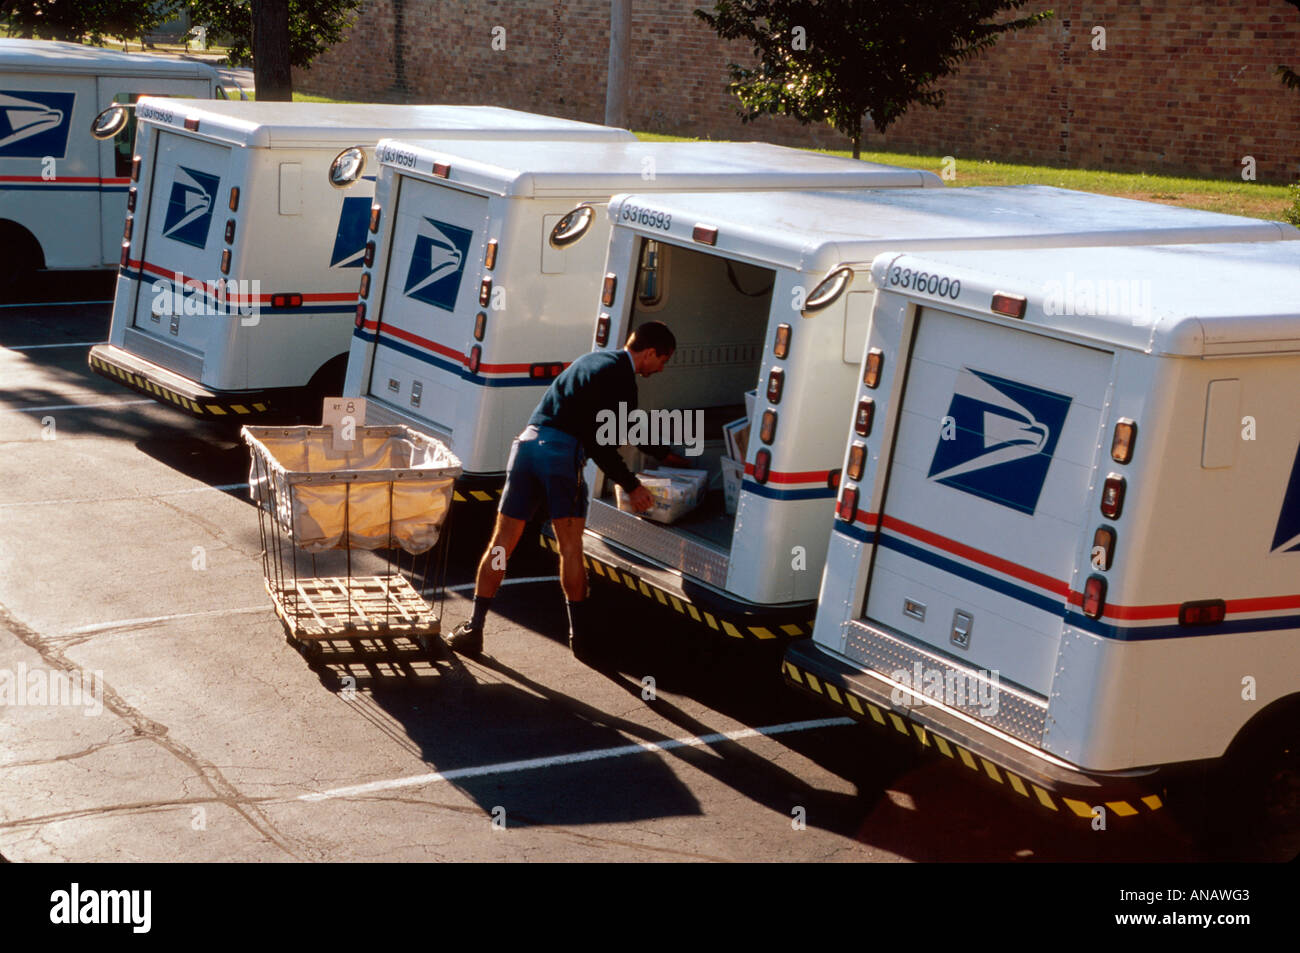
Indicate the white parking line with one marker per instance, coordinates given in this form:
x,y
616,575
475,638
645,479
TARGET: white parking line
x,y
225,487
41,410
150,620
506,582
598,754
51,304
37,347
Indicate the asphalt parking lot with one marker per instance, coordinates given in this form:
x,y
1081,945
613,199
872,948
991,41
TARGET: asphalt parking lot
x,y
129,562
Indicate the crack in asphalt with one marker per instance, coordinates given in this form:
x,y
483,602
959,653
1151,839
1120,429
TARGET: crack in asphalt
x,y
223,791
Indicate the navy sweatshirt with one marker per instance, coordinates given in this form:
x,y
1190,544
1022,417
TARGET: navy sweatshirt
x,y
594,382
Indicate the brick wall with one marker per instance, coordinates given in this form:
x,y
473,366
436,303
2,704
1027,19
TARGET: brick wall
x,y
1180,87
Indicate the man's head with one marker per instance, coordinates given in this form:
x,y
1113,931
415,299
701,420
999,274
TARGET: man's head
x,y
651,345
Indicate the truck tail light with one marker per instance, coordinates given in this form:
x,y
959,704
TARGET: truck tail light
x,y
191,124
225,262
363,290
126,228
544,371
705,234
234,198
1112,496
286,299
480,325
1121,445
130,199
1011,306
862,420
126,254
135,168
1094,597
871,369
607,291
857,460
369,257
782,346
833,479
775,384
375,212
490,256
442,170
230,231
1103,548
361,314
1204,612
762,465
767,429
475,356
484,292
602,330
848,508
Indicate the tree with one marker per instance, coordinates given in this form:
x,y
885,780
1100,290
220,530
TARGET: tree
x,y
846,61
82,20
272,77
313,25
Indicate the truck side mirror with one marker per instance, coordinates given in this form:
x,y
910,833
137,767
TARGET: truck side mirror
x,y
572,226
347,167
110,122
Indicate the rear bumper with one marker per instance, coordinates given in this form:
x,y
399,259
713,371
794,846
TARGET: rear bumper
x,y
169,387
1042,780
703,606
470,487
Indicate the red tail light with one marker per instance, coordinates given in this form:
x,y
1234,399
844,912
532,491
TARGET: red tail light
x,y
230,231
484,292
775,384
126,254
364,289
1204,612
863,418
361,314
705,234
135,169
762,465
130,199
127,227
1103,548
1011,306
475,355
1094,597
286,300
848,508
369,257
192,124
1112,496
602,330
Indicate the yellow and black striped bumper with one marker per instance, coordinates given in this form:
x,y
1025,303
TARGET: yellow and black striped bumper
x,y
460,495
1051,795
736,626
145,378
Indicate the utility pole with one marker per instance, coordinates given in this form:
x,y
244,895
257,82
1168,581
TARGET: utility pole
x,y
620,47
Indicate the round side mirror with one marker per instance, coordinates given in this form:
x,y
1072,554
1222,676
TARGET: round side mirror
x,y
110,122
347,167
572,227
827,290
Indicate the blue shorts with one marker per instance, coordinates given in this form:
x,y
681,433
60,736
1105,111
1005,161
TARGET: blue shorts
x,y
545,467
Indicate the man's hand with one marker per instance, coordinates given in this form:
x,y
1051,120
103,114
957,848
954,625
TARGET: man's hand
x,y
641,499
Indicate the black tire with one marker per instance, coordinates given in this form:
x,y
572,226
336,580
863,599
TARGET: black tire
x,y
21,260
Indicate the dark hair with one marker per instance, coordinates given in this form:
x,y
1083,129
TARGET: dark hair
x,y
654,335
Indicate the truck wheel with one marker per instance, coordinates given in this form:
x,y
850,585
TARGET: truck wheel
x,y
21,260
326,382
1273,808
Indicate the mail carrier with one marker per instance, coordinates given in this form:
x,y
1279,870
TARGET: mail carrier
x,y
63,194
240,257
1067,544
479,292
753,288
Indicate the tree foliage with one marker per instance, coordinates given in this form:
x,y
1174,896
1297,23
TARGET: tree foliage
x,y
846,61
314,26
1289,77
86,20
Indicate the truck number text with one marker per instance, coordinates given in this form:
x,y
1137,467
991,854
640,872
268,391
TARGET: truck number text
x,y
924,281
397,157
646,216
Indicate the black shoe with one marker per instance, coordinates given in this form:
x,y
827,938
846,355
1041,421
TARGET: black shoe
x,y
583,642
466,640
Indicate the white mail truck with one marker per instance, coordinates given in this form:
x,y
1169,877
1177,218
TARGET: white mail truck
x,y
62,193
479,294
249,225
1066,551
761,293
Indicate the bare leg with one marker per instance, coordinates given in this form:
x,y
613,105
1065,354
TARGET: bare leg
x,y
492,567
573,575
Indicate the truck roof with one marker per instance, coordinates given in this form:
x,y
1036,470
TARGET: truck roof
x,y
1194,300
52,56
550,169
263,124
814,231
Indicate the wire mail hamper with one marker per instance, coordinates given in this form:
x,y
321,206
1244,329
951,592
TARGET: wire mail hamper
x,y
351,538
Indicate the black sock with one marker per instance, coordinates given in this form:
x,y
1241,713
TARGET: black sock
x,y
481,605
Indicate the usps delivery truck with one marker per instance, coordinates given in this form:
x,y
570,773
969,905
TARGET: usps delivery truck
x,y
240,256
63,194
477,298
761,294
1067,545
